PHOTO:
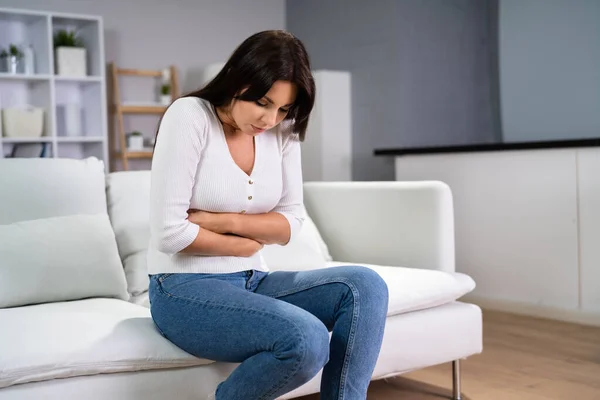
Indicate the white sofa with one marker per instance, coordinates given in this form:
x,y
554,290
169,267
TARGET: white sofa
x,y
74,317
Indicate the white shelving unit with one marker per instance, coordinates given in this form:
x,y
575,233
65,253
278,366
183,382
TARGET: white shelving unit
x,y
53,92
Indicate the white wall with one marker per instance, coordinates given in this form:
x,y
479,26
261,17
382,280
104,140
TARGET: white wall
x,y
151,34
327,148
549,69
527,226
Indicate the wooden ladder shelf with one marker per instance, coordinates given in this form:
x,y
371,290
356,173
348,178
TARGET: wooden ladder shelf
x,y
118,110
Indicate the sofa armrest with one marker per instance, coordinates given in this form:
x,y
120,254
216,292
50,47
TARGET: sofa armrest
x,y
408,224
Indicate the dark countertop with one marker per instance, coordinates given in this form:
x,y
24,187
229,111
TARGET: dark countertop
x,y
471,148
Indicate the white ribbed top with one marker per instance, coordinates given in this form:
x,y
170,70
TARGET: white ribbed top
x,y
193,168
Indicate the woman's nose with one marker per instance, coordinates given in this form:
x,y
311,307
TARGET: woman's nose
x,y
270,118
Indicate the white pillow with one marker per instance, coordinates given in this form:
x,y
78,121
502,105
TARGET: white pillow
x,y
128,198
59,259
35,188
306,251
310,225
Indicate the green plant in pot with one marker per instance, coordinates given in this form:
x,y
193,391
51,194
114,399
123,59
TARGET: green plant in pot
x,y
11,59
3,60
70,53
165,94
65,38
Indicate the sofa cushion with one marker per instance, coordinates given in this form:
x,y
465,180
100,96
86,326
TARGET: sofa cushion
x,y
306,251
310,226
85,337
58,259
43,187
412,289
128,195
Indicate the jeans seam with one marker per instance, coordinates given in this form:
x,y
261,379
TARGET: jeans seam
x,y
351,335
164,276
299,333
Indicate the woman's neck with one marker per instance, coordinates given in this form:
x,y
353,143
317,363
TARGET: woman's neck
x,y
229,126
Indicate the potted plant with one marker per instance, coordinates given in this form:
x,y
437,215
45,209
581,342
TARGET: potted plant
x,y
165,94
70,54
3,60
136,141
11,59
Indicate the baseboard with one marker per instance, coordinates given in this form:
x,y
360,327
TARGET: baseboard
x,y
574,316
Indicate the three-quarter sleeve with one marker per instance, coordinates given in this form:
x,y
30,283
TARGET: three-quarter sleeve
x,y
291,203
175,161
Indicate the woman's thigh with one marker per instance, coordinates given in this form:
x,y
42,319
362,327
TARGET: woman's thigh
x,y
222,319
322,291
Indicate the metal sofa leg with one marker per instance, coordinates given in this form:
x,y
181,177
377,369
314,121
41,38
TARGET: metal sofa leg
x,y
456,395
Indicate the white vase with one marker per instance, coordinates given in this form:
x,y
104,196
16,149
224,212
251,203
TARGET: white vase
x,y
136,143
165,99
73,120
12,64
29,60
71,61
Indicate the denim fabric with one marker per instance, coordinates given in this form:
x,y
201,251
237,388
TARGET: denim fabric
x,y
277,326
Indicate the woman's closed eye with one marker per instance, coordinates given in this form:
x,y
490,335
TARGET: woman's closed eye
x,y
283,110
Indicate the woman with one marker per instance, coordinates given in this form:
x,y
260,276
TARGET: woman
x,y
226,180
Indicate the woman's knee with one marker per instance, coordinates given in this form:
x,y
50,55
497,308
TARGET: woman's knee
x,y
368,284
309,340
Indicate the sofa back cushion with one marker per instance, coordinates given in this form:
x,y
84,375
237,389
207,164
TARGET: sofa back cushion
x,y
59,259
56,240
128,198
34,188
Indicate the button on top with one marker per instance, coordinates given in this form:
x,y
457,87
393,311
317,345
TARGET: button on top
x,y
251,181
249,197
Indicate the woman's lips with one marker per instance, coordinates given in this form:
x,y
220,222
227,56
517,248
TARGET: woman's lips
x,y
258,130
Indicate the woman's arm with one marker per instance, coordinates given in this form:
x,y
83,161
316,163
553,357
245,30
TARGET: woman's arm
x,y
291,204
209,243
269,228
178,149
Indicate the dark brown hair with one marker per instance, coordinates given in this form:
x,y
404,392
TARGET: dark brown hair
x,y
256,64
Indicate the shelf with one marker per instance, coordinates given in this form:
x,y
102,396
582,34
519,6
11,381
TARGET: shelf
x,y
89,30
78,79
78,109
139,72
142,104
75,107
27,28
79,139
143,109
22,16
22,94
24,77
29,149
136,154
80,149
26,140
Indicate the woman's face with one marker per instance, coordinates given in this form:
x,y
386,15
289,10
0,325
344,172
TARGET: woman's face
x,y
253,118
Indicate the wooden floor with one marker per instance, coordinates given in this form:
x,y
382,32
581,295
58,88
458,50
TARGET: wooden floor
x,y
523,359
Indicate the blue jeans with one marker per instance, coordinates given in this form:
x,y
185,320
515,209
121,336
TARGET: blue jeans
x,y
277,326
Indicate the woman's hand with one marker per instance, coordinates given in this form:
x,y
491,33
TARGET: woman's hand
x,y
250,247
214,222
